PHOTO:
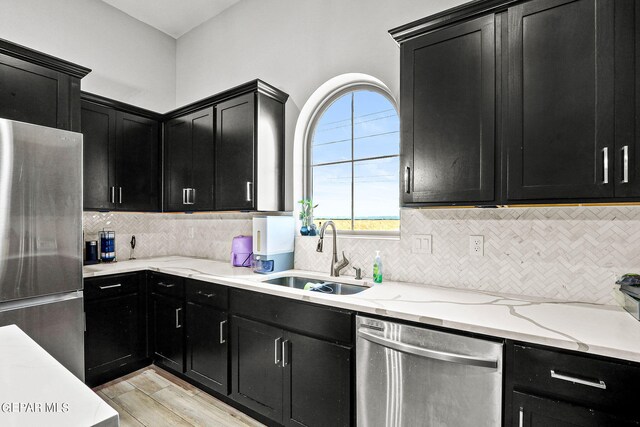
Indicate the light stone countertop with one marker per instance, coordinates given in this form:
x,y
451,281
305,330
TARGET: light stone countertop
x,y
596,329
36,390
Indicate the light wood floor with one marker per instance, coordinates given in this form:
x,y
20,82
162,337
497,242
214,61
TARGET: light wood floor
x,y
155,398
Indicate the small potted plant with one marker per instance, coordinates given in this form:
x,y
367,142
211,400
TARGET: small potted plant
x,y
306,216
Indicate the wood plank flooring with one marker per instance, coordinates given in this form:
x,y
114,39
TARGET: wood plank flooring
x,y
153,397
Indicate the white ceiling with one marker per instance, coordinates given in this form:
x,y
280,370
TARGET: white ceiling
x,y
174,17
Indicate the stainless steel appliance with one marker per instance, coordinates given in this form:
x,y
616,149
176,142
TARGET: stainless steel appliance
x,y
409,376
41,238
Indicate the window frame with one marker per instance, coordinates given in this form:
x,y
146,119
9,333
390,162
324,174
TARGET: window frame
x,y
322,106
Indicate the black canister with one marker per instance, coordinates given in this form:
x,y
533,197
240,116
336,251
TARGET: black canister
x,y
91,252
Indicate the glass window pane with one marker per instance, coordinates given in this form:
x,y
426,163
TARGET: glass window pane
x,y
376,125
332,194
376,198
331,140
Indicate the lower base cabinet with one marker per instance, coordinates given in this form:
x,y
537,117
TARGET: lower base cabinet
x,y
167,331
293,379
534,411
207,348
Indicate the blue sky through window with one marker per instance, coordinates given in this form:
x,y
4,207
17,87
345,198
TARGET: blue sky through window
x,y
354,157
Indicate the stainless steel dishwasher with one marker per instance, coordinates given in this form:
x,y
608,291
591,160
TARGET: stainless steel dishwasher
x,y
409,376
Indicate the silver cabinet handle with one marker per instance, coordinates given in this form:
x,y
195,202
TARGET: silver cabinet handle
x,y
605,161
599,384
112,197
222,340
165,285
276,350
521,417
110,286
285,353
407,180
193,196
625,164
120,195
184,196
462,359
189,196
205,295
249,195
178,325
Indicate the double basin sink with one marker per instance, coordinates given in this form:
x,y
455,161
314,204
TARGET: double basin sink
x,y
316,285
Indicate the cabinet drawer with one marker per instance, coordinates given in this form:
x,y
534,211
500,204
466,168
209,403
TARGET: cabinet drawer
x,y
310,319
165,284
206,293
600,383
104,287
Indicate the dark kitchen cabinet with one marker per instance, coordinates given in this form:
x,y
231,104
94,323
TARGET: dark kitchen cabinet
x,y
561,100
167,321
121,157
257,374
189,162
249,167
207,353
115,333
448,115
38,88
546,386
291,361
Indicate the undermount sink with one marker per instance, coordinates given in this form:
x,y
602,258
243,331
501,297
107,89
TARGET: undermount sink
x,y
321,286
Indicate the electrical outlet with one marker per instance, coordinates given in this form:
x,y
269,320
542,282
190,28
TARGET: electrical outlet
x,y
476,245
421,244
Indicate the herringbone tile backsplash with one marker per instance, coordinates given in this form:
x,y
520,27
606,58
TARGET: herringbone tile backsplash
x,y
567,253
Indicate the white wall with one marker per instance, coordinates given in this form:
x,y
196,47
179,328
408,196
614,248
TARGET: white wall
x,y
131,61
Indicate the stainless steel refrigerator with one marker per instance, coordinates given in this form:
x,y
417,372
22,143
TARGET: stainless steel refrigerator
x,y
41,238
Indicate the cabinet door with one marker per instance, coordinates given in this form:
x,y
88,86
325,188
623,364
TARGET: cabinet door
x,y
533,411
627,109
561,93
112,336
167,331
448,114
35,94
234,160
99,142
318,387
188,162
256,360
137,148
207,355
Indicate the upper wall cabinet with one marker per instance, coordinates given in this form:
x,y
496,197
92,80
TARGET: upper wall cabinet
x,y
559,108
561,100
188,161
242,167
38,88
447,105
121,156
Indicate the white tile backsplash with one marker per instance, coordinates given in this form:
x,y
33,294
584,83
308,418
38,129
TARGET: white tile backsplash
x,y
567,253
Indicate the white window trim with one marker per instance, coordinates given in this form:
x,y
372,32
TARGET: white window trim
x,y
324,95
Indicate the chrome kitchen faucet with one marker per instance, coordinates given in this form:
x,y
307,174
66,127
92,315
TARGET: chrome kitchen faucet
x,y
335,265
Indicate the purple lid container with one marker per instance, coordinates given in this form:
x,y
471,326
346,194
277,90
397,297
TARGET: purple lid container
x,y
241,251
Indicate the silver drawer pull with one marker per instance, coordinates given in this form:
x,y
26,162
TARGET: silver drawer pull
x,y
599,384
117,285
462,359
206,295
276,351
407,180
112,197
249,193
625,164
521,417
165,285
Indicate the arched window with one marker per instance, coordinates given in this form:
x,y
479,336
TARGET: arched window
x,y
353,161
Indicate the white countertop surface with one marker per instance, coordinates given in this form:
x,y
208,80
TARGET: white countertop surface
x,y
596,329
36,390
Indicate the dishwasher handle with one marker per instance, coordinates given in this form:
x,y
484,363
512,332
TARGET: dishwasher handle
x,y
428,353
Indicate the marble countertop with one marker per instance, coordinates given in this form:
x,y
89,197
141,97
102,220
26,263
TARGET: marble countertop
x,y
590,328
35,389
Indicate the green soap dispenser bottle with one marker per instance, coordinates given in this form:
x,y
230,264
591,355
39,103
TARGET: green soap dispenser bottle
x,y
377,268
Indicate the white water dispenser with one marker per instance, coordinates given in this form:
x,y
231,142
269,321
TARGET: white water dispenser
x,y
273,241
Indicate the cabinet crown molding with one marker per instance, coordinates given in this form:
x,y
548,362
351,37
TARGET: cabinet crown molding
x,y
30,55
